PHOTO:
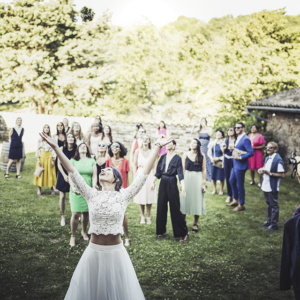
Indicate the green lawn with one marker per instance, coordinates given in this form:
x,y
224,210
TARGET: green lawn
x,y
232,256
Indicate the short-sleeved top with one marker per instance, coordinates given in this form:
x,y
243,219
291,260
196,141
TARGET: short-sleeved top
x,y
257,141
123,169
174,168
191,166
107,208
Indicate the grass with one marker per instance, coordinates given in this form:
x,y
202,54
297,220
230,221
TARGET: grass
x,y
232,256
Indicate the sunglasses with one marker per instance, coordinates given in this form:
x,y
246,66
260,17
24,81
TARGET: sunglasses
x,y
238,127
115,146
101,145
269,147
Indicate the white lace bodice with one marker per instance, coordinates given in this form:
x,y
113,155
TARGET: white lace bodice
x,y
107,208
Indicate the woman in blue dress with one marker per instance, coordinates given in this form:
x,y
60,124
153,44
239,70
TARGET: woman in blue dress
x,y
205,133
16,148
215,154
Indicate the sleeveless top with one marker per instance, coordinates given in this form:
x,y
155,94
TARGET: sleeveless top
x,y
99,169
16,139
204,136
190,165
107,208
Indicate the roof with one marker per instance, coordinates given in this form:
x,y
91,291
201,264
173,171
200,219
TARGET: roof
x,y
285,99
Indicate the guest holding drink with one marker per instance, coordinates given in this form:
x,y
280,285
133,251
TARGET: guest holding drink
x,y
257,160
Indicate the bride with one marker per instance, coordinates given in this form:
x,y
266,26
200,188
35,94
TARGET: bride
x,y
105,270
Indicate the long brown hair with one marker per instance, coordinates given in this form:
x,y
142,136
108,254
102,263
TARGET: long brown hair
x,y
49,134
77,156
81,136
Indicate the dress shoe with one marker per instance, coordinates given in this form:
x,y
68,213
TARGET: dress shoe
x,y
72,241
233,203
266,224
149,221
239,208
142,220
62,221
272,228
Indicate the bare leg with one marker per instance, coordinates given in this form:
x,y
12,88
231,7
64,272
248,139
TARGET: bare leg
x,y
39,191
142,209
149,210
259,178
214,182
18,166
62,197
221,187
74,222
252,176
85,221
10,161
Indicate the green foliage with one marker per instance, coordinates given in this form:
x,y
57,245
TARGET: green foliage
x,y
185,71
87,14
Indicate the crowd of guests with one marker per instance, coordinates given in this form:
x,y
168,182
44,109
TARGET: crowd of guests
x,y
93,164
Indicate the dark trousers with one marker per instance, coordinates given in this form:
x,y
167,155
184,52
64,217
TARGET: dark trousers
x,y
237,180
272,208
168,192
228,165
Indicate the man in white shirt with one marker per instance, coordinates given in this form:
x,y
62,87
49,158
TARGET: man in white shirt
x,y
272,171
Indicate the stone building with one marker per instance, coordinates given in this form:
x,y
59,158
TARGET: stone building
x,y
3,130
283,117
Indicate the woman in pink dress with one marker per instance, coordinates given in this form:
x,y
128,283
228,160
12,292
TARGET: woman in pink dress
x,y
162,133
257,160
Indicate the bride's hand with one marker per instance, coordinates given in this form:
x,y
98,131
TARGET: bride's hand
x,y
52,142
163,141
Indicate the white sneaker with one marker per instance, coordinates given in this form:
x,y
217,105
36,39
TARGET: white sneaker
x,y
142,220
72,241
127,243
62,221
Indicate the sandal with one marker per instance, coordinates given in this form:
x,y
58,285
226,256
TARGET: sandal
x,y
195,230
184,239
251,183
18,176
259,185
6,175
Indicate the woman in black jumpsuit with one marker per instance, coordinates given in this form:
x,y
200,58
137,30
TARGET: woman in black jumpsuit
x,y
168,191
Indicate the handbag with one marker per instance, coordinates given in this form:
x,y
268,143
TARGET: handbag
x,y
219,163
38,171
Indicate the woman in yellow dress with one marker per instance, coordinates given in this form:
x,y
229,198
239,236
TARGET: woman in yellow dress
x,y
46,159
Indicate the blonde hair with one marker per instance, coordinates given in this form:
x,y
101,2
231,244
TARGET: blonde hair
x,y
275,145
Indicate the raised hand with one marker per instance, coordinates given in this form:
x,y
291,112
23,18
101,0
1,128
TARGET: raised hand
x,y
163,141
52,142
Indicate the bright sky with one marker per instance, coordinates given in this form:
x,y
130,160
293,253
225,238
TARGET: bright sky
x,y
161,12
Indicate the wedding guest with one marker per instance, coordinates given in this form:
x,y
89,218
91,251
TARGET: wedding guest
x,y
83,163
227,149
194,167
136,144
146,196
77,132
60,137
66,124
162,133
62,184
107,135
16,148
105,270
216,157
117,159
93,139
240,155
101,158
97,120
46,159
205,133
170,165
257,160
137,127
272,171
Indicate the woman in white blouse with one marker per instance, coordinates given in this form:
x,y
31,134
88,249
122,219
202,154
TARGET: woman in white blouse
x,y
45,159
105,270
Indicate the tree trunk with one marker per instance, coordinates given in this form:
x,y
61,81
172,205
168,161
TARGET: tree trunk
x,y
51,103
43,105
36,104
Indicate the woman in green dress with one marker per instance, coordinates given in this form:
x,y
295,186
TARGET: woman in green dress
x,y
83,163
194,167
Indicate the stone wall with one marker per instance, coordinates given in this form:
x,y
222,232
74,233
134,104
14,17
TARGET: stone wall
x,y
122,131
3,130
286,127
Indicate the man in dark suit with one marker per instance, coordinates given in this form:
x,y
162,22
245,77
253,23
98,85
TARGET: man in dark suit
x,y
240,155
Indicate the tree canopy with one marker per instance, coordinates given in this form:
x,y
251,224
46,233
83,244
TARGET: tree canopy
x,y
186,70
